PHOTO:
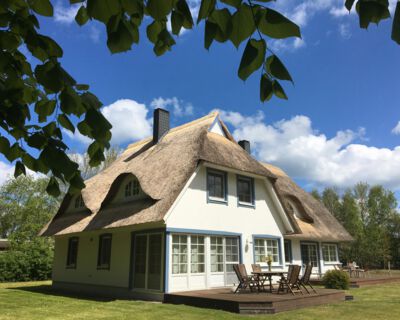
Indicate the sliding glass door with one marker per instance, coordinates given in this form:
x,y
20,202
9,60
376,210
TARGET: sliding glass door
x,y
148,261
309,254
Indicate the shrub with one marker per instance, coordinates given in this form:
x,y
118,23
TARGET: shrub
x,y
336,279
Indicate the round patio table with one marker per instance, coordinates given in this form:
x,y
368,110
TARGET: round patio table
x,y
263,276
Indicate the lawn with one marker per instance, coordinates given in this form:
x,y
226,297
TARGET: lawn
x,y
35,300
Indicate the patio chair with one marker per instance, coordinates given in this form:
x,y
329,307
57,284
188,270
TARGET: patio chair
x,y
256,268
305,279
291,283
245,281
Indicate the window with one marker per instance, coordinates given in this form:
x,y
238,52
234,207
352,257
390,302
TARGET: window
x,y
197,254
219,257
329,252
245,190
72,254
104,258
288,251
179,254
217,254
216,185
231,253
79,202
264,248
132,188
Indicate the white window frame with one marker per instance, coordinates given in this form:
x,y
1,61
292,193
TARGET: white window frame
x,y
180,254
198,245
268,250
249,180
224,176
332,248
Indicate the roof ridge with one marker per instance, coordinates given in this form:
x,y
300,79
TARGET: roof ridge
x,y
213,114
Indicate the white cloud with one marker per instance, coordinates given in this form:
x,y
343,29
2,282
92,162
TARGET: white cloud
x,y
344,31
64,14
94,34
396,129
6,171
287,44
340,11
129,120
179,107
308,154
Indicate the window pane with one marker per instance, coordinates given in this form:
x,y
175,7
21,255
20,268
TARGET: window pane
x,y
216,185
245,192
197,254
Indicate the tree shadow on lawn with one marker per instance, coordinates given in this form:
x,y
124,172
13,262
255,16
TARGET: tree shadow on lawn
x,y
49,290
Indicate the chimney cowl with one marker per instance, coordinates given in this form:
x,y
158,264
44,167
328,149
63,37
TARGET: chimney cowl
x,y
160,124
245,144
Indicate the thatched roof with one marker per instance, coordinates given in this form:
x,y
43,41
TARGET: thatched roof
x,y
162,170
316,222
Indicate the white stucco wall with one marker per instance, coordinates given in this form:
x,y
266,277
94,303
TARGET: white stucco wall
x,y
194,212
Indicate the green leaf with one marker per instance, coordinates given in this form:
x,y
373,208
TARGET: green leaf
x,y
233,3
4,145
19,169
43,47
65,122
278,90
176,22
82,16
9,41
223,20
98,124
206,7
372,11
103,10
96,154
242,25
76,183
266,89
42,7
52,76
53,188
44,108
183,8
82,87
159,9
396,24
70,101
209,33
349,4
275,25
164,42
277,69
120,39
253,58
14,152
154,29
89,100
37,140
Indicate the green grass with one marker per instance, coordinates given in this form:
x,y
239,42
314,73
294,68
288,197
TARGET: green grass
x,y
35,300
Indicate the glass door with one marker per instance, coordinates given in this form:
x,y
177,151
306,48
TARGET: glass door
x,y
309,254
148,261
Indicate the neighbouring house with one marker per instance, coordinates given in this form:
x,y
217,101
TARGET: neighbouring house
x,y
176,211
4,245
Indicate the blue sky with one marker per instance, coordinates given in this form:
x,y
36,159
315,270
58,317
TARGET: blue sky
x,y
335,129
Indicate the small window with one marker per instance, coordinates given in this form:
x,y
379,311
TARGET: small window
x,y
72,254
216,185
288,251
79,202
104,259
329,252
179,254
245,190
264,248
132,188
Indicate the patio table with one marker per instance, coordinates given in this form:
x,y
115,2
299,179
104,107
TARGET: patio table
x,y
263,276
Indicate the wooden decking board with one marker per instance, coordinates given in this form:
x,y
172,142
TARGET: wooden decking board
x,y
252,303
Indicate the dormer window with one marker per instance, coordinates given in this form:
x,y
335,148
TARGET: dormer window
x,y
79,202
132,188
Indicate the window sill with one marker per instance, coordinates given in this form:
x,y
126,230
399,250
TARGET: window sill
x,y
103,268
217,200
70,267
331,263
246,205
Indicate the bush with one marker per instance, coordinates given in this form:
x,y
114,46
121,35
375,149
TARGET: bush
x,y
27,262
336,279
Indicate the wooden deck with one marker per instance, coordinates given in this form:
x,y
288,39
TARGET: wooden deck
x,y
366,281
253,303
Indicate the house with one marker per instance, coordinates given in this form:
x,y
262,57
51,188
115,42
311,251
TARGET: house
x,y
4,245
176,211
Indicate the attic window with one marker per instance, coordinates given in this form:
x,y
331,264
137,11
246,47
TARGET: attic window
x,y
132,188
79,202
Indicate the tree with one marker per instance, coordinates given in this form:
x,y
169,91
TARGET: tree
x,y
331,200
51,95
315,193
26,208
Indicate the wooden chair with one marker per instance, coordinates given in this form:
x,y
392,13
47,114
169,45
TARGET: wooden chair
x,y
305,279
245,281
256,268
291,283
